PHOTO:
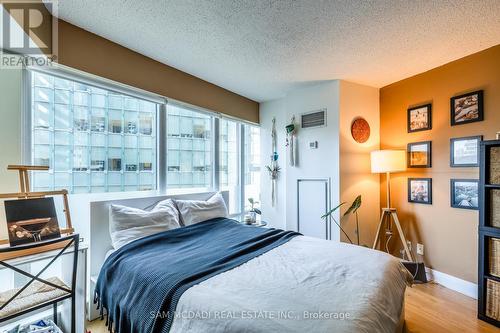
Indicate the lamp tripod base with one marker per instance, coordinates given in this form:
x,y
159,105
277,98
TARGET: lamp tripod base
x,y
389,214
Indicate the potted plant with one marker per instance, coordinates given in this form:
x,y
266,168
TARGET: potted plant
x,y
253,210
273,170
353,209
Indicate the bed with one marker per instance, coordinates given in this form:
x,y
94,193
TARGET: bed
x,y
344,289
295,285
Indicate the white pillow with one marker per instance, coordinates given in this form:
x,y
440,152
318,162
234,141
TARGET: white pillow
x,y
127,224
195,211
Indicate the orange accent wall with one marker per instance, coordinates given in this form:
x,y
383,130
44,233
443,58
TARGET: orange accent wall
x,y
448,234
88,52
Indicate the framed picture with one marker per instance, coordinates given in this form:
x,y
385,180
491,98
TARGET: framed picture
x,y
419,154
420,190
31,220
464,193
420,118
467,108
464,152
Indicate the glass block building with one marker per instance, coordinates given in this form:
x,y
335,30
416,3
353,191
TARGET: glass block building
x,y
189,148
93,140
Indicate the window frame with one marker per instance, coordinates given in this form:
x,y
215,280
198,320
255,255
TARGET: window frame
x,y
74,75
240,209
247,134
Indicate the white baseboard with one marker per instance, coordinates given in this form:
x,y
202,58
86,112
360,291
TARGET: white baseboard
x,y
464,287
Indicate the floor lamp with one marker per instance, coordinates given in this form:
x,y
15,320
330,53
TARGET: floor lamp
x,y
387,161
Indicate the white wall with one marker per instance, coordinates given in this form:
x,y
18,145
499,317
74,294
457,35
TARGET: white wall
x,y
338,157
312,163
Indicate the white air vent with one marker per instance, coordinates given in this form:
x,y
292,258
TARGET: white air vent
x,y
313,119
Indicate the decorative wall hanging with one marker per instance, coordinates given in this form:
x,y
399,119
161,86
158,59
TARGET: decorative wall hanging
x,y
273,168
274,147
360,130
291,141
467,108
419,118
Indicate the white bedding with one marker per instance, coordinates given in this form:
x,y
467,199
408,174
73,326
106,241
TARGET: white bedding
x,y
127,224
359,289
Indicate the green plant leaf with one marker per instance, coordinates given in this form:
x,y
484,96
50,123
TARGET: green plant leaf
x,y
332,211
354,206
270,168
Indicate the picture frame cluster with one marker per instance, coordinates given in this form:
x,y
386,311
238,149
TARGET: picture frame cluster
x,y
464,151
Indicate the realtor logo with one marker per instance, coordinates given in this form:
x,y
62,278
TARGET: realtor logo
x,y
28,32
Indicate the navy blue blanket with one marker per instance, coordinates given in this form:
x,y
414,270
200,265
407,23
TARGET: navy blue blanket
x,y
140,284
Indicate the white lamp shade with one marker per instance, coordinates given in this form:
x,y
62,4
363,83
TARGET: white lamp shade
x,y
388,161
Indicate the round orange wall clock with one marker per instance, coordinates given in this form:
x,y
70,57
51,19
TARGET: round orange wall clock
x,y
360,130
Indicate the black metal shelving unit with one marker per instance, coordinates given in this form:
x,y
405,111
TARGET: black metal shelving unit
x,y
68,292
489,233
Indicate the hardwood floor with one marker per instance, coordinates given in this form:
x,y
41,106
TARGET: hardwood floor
x,y
433,308
429,308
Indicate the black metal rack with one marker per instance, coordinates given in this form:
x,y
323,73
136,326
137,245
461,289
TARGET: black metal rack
x,y
69,293
487,231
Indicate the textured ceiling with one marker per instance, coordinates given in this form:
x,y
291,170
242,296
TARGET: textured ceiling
x,y
262,49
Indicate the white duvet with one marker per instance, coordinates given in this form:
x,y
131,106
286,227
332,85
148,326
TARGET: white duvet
x,y
305,285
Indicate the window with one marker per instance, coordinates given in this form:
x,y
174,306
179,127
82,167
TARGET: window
x,y
98,140
229,162
189,148
252,163
93,140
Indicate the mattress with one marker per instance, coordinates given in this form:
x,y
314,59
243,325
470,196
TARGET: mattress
x,y
306,284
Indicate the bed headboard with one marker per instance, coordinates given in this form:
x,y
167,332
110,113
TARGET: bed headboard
x,y
100,241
